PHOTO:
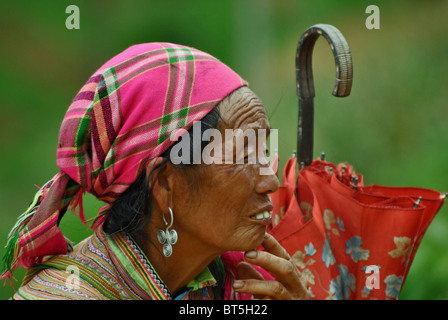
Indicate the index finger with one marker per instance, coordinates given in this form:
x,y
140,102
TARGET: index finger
x,y
272,246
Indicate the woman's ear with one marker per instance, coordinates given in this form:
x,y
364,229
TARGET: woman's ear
x,y
161,182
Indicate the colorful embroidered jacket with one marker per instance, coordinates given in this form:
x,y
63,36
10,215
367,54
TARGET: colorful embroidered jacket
x,y
113,267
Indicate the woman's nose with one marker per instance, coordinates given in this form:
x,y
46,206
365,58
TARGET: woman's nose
x,y
267,181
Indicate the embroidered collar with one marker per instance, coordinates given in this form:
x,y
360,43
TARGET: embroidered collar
x,y
132,258
157,281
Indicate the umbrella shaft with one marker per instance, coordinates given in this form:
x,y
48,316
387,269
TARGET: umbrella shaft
x,y
305,131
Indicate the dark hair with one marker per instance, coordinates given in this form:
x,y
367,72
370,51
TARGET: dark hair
x,y
131,211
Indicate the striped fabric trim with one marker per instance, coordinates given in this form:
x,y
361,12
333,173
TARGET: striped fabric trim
x,y
50,284
86,274
136,267
111,267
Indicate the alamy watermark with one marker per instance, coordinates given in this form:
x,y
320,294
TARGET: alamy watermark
x,y
236,146
72,281
373,20
73,20
373,280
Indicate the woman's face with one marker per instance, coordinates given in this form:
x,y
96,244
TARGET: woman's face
x,y
227,211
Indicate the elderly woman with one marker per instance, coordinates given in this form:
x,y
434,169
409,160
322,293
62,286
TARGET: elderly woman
x,y
169,230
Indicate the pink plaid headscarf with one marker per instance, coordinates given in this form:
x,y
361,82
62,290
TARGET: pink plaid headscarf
x,y
121,118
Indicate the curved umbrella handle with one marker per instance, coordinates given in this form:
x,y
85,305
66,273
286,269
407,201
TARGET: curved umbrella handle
x,y
305,85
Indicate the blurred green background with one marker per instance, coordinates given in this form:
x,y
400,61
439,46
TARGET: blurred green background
x,y
392,128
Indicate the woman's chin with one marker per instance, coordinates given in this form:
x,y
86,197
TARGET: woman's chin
x,y
251,242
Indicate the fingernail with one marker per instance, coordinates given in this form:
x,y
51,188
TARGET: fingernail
x,y
266,235
237,284
252,254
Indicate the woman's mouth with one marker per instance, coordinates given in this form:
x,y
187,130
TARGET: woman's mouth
x,y
261,216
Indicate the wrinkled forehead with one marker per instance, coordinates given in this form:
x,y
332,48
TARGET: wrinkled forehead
x,y
243,110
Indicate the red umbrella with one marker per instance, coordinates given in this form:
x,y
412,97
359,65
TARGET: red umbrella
x,y
350,241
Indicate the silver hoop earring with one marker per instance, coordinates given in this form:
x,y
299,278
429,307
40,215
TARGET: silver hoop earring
x,y
168,237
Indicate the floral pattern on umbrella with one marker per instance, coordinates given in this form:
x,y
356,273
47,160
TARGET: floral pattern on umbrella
x,y
351,231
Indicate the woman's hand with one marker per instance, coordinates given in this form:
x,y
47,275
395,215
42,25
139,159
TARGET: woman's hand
x,y
288,284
